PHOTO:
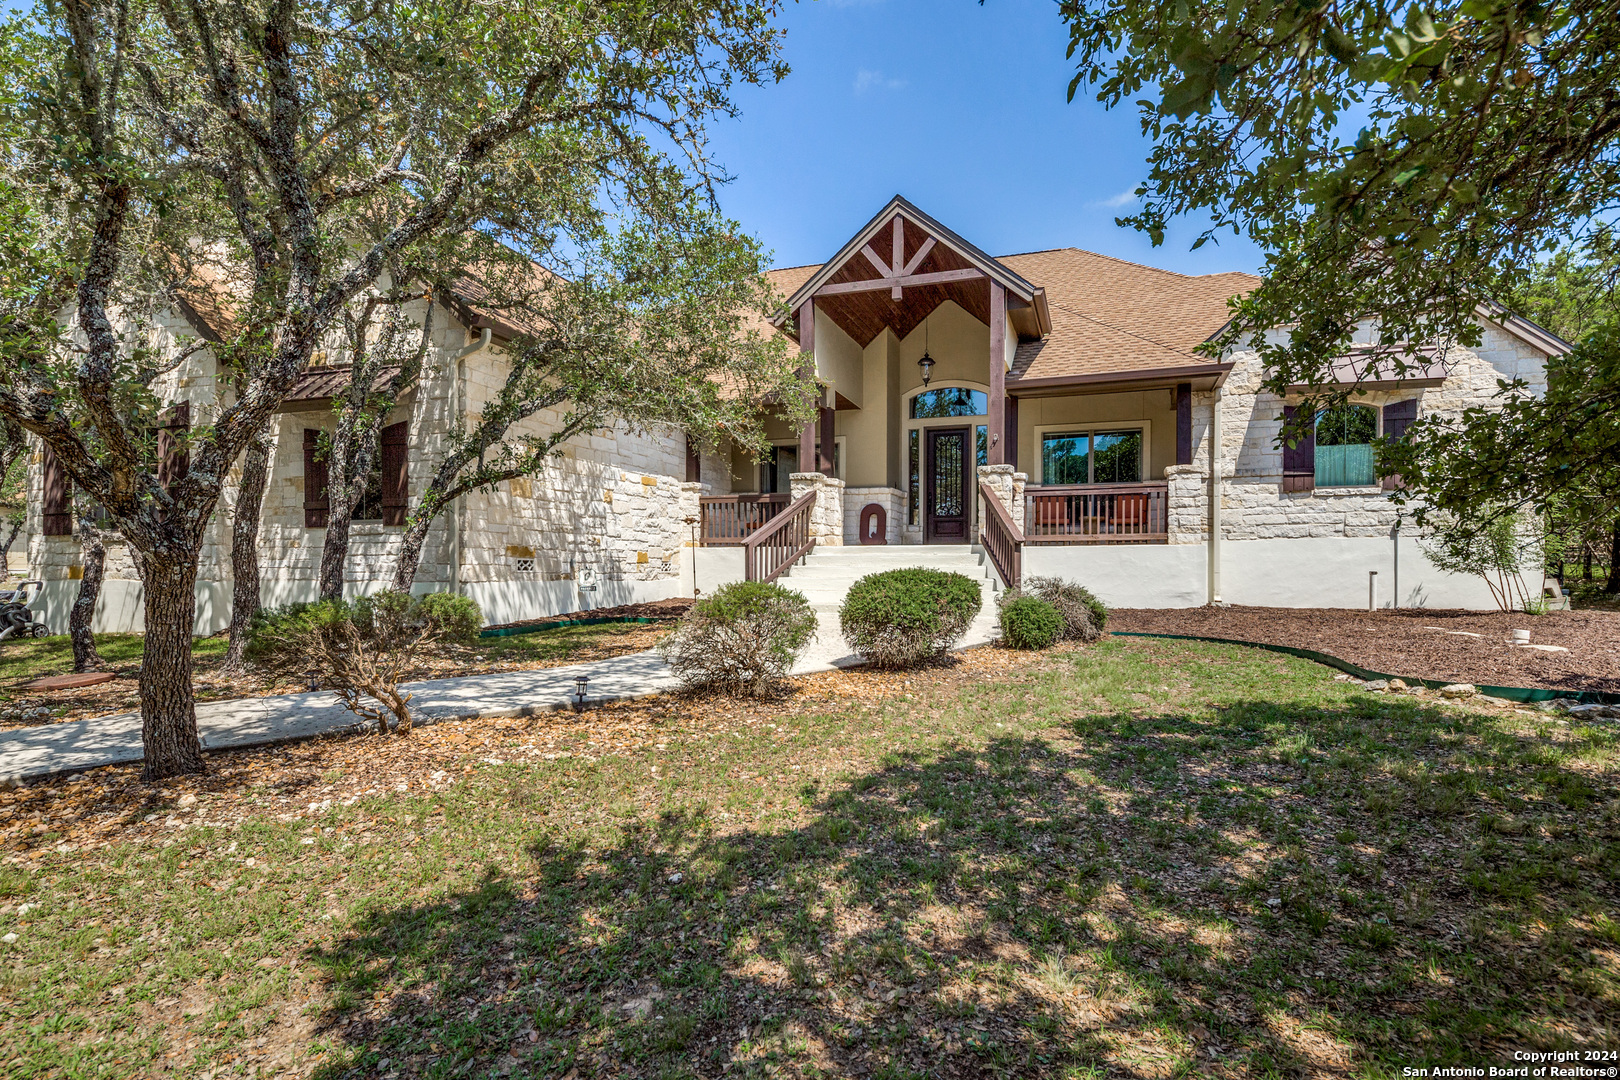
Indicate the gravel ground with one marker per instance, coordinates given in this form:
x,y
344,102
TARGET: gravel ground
x,y
1464,646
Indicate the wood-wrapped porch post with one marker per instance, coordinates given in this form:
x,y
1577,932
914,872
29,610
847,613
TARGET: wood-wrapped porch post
x,y
998,374
824,458
807,349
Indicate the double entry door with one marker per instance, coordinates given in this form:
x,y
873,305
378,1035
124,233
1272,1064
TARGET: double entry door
x,y
947,492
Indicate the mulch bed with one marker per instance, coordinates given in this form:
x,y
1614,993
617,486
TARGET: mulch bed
x,y
669,610
1423,643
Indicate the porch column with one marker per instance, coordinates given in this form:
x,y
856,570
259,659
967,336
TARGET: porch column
x,y
998,374
807,351
824,459
1184,437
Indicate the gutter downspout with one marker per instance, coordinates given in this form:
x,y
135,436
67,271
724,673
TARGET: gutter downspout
x,y
1215,498
458,510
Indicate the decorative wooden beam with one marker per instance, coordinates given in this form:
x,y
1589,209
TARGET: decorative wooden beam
x,y
899,254
940,277
917,259
877,260
998,374
807,349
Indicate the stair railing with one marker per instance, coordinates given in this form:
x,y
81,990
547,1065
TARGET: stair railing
x,y
780,542
1001,539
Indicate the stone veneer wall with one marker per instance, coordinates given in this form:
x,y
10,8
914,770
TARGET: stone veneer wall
x,y
857,499
827,516
1254,506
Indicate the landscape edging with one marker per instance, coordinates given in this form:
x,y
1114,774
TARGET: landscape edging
x,y
1521,694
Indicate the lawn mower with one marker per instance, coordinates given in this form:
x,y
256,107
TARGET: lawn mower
x,y
16,621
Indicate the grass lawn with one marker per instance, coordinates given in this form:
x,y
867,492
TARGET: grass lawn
x,y
36,658
1144,858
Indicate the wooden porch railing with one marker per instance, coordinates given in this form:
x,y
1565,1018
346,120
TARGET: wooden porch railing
x,y
1001,539
1097,513
782,542
732,519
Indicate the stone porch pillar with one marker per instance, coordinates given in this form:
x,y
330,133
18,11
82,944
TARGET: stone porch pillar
x,y
1008,484
1187,510
827,519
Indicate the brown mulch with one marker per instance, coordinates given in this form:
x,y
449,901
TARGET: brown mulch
x,y
1422,643
670,610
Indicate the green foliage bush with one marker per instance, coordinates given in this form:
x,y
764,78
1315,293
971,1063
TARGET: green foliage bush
x,y
361,647
1028,622
744,636
902,617
1084,616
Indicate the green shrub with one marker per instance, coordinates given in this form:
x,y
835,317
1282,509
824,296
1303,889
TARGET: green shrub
x,y
361,647
744,636
1084,616
902,617
1028,622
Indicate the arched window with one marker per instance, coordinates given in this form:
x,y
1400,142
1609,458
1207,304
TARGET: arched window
x,y
949,401
1344,452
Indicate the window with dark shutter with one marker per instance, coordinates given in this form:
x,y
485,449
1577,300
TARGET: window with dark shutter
x,y
396,480
57,500
694,462
174,459
1398,416
316,502
1299,460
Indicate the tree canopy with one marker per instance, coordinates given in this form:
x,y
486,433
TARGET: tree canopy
x,y
1389,158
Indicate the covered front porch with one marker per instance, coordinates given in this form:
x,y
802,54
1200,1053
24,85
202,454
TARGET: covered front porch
x,y
936,424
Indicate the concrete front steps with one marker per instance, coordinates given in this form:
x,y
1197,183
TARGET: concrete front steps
x,y
825,575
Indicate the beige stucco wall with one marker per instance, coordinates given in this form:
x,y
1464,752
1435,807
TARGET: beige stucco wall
x,y
1152,409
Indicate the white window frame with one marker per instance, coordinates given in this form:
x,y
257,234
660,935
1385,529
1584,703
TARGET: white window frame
x,y
1090,428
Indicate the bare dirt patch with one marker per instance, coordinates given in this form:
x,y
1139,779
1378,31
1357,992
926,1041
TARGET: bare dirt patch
x,y
1462,646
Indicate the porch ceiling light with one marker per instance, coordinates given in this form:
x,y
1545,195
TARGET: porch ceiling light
x,y
926,364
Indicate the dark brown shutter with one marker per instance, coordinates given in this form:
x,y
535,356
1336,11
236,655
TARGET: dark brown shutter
x,y
396,479
694,462
1299,460
1398,416
174,460
316,503
1184,442
57,501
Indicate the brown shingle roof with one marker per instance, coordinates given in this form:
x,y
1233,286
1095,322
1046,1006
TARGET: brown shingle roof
x,y
1108,315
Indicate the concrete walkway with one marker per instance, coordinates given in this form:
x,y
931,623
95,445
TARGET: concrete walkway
x,y
33,753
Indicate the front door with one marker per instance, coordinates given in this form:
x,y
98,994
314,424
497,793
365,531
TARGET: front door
x,y
946,491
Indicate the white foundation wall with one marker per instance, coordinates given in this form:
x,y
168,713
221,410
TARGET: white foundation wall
x,y
1333,572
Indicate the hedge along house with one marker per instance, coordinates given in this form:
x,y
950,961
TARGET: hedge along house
x,y
1052,406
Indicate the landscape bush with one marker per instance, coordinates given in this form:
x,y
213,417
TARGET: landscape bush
x,y
359,648
1084,616
1028,622
745,636
901,617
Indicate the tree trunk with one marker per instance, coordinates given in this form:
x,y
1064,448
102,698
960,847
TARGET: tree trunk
x,y
1614,559
410,551
335,550
168,701
245,547
1586,560
85,657
5,550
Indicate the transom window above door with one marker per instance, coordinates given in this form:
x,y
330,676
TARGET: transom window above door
x,y
949,401
1091,457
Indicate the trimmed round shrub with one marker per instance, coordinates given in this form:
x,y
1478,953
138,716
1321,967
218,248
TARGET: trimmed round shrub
x,y
1028,622
903,617
1084,616
744,636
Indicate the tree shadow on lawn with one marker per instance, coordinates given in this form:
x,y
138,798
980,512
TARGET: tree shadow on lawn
x,y
1262,890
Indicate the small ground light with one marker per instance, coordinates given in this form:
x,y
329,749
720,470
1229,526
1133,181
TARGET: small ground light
x,y
579,689
314,680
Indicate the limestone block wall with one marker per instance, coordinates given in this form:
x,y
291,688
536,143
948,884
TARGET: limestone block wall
x,y
856,499
1253,505
1187,513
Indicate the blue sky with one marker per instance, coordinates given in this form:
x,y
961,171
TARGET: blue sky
x,y
960,108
